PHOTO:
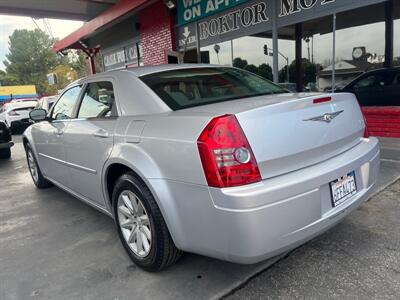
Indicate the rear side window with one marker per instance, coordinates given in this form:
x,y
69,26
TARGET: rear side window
x,y
98,101
199,86
64,108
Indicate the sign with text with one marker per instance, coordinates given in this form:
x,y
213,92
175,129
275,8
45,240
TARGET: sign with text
x,y
121,56
245,19
192,10
234,19
290,12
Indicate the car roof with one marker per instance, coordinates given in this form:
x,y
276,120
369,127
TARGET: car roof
x,y
21,104
141,71
144,70
397,68
50,98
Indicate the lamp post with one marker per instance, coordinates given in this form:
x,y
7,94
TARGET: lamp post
x,y
307,40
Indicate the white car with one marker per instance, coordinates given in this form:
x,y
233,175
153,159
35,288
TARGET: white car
x,y
46,102
16,114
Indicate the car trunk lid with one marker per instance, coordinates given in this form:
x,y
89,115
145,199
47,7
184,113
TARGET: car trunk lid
x,y
293,134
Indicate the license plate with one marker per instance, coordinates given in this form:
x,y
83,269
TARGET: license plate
x,y
343,188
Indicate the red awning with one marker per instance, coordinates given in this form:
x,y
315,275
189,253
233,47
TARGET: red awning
x,y
114,12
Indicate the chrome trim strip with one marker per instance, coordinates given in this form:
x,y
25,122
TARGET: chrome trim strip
x,y
78,167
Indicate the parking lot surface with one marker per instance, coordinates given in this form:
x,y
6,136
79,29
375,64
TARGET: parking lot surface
x,y
52,246
358,259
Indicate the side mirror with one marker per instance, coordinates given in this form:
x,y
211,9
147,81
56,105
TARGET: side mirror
x,y
38,114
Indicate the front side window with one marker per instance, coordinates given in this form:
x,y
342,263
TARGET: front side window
x,y
370,82
64,108
199,86
98,101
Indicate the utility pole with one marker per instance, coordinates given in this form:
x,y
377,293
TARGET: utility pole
x,y
334,53
271,53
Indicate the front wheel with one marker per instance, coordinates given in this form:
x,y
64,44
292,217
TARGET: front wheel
x,y
34,169
141,226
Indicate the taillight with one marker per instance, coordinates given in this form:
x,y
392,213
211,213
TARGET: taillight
x,y
226,155
13,113
322,100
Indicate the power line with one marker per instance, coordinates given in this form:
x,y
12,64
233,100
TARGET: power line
x,y
50,29
47,26
34,21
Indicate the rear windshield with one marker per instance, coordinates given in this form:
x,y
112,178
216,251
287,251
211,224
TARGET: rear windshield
x,y
199,86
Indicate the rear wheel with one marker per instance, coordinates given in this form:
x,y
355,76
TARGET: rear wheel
x,y
5,153
34,169
141,226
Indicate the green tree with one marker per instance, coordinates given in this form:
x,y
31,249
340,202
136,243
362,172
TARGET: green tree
x,y
79,63
6,79
30,58
251,68
265,70
283,75
309,72
65,75
240,63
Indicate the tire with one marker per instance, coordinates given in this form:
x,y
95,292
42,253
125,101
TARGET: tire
x,y
5,153
34,170
161,251
12,130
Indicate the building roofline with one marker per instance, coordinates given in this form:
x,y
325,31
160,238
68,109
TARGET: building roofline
x,y
111,14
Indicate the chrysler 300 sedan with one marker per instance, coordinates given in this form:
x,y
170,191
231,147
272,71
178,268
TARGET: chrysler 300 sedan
x,y
204,159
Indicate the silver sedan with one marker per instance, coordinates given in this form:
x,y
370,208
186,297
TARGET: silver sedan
x,y
205,159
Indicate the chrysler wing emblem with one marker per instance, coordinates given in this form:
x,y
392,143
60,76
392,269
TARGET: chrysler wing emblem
x,y
327,118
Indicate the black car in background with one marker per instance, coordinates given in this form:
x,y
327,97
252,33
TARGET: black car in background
x,y
5,141
376,88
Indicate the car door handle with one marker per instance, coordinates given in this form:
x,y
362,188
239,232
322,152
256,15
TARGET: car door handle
x,y
101,133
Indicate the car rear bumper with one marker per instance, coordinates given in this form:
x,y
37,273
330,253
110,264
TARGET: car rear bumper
x,y
252,223
6,145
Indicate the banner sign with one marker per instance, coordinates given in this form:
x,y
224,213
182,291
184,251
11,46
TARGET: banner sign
x,y
246,19
119,57
192,10
233,19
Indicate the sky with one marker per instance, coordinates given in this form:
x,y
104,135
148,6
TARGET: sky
x,y
59,28
250,48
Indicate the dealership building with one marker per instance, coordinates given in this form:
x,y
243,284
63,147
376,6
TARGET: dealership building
x,y
140,32
148,32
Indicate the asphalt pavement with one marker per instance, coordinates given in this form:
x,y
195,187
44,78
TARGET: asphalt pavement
x,y
53,246
358,259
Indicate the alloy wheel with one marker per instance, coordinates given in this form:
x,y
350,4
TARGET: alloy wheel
x,y
33,169
134,223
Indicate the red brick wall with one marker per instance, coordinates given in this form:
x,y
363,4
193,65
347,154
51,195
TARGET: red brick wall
x,y
383,120
155,33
